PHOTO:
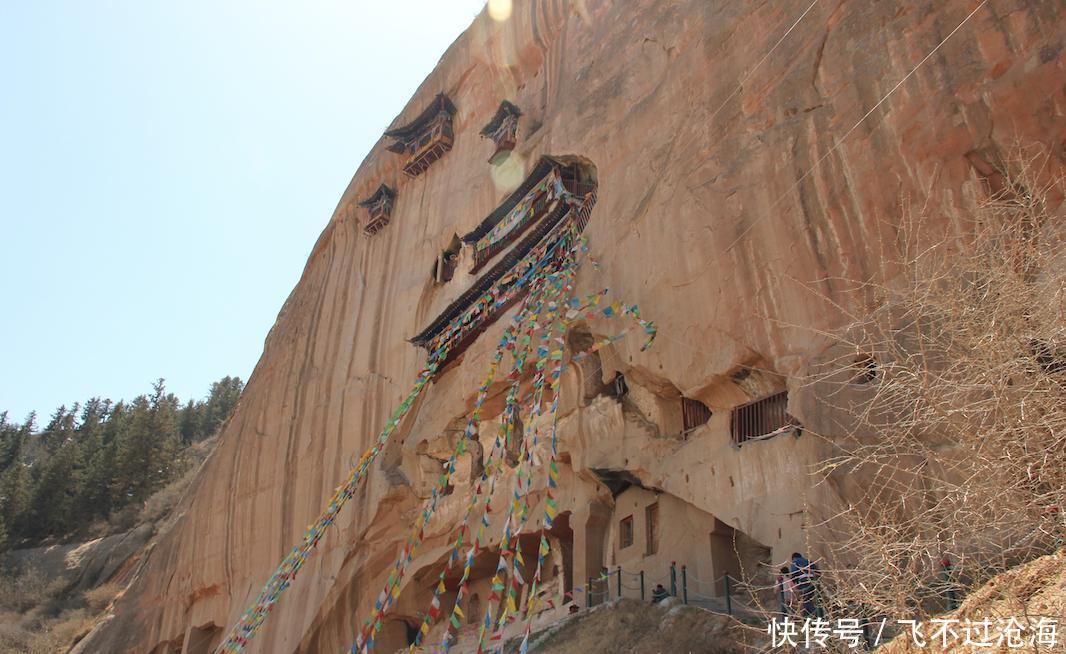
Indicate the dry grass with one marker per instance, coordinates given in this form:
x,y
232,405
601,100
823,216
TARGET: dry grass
x,y
632,627
26,589
97,599
43,619
959,444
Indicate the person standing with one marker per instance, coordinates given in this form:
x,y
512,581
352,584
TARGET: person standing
x,y
804,576
786,591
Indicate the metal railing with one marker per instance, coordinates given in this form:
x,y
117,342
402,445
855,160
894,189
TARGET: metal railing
x,y
763,417
581,219
612,585
740,599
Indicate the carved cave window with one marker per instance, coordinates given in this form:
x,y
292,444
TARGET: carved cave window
x,y
693,414
764,417
447,261
625,532
651,528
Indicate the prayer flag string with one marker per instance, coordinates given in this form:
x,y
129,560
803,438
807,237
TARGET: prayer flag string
x,y
546,273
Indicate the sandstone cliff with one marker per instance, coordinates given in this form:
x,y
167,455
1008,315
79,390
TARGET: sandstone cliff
x,y
732,171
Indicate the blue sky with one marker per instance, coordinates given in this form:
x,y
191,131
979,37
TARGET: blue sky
x,y
165,168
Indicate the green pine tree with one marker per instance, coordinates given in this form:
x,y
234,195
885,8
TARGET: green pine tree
x,y
191,421
94,459
15,497
53,498
220,404
97,456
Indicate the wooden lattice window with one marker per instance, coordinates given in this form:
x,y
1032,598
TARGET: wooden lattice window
x,y
378,209
763,417
577,181
651,528
625,532
693,413
503,129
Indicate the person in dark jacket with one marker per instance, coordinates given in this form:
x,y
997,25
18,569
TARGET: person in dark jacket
x,y
658,594
804,575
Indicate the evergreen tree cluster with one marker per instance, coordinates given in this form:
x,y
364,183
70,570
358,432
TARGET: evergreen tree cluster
x,y
92,460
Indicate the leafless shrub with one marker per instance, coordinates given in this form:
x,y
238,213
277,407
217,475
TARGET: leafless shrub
x,y
38,617
957,445
27,588
13,637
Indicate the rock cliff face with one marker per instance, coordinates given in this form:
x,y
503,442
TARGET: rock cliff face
x,y
735,183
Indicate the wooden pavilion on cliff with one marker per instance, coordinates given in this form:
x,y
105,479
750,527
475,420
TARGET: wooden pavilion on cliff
x,y
550,184
378,209
426,138
502,129
554,193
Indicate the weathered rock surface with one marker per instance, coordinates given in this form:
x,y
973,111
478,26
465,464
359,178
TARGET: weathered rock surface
x,y
733,191
82,565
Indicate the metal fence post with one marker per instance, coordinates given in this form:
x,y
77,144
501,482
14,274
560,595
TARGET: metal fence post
x,y
684,585
673,578
641,585
619,584
588,593
728,599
